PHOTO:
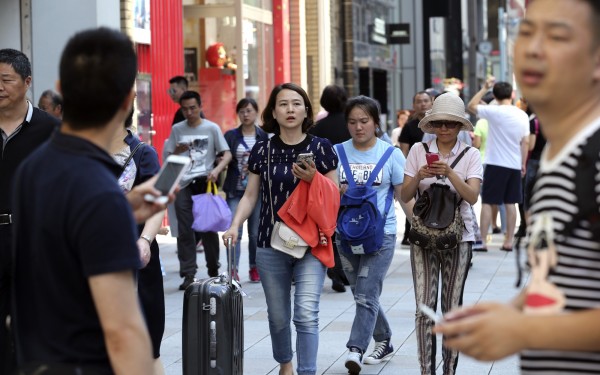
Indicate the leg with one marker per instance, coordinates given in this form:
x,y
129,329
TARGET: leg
x,y
425,269
511,222
186,242
309,274
494,220
486,218
454,271
276,270
7,354
211,252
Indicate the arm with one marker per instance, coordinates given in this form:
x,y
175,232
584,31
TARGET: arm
x,y
477,141
405,148
532,139
476,99
524,154
125,333
406,207
244,208
490,331
214,174
151,228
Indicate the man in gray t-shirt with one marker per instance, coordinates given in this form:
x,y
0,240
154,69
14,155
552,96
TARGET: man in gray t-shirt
x,y
201,140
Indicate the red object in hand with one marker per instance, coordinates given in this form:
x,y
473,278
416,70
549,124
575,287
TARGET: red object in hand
x,y
431,157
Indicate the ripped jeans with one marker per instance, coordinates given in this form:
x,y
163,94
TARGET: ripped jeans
x,y
366,274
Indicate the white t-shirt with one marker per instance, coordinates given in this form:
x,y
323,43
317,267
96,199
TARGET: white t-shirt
x,y
468,167
507,125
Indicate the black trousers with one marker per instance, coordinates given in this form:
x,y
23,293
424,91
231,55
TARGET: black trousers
x,y
7,351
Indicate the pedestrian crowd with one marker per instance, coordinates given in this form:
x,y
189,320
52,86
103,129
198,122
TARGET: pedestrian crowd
x,y
81,287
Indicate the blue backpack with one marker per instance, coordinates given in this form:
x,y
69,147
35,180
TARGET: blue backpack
x,y
360,224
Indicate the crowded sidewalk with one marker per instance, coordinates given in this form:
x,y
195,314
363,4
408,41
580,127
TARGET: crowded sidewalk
x,y
492,278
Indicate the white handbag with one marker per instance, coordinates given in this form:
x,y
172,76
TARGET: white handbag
x,y
283,238
286,240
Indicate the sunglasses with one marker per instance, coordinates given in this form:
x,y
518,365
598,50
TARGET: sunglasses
x,y
447,124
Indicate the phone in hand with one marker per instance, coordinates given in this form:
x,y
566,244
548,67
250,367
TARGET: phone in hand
x,y
308,157
431,157
169,175
430,313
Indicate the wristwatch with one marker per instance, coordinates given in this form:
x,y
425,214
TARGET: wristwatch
x,y
147,238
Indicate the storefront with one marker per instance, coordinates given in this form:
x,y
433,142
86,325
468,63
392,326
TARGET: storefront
x,y
228,49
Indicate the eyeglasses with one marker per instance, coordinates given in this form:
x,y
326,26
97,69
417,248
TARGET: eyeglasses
x,y
242,112
448,124
171,91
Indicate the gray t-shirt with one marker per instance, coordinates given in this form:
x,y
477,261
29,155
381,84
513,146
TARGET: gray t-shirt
x,y
205,140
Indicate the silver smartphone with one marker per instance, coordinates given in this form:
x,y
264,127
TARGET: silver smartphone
x,y
169,175
309,156
430,313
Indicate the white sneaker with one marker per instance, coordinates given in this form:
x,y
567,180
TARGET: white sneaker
x,y
354,360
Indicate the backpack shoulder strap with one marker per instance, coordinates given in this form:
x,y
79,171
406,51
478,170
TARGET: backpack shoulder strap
x,y
344,160
131,155
425,146
386,155
585,184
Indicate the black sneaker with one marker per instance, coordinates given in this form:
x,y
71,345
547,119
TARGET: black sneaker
x,y
189,279
383,351
354,360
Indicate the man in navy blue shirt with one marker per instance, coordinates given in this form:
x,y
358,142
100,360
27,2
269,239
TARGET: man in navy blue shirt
x,y
75,306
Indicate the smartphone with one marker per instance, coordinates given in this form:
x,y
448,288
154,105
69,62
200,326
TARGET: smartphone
x,y
169,175
431,157
307,156
430,313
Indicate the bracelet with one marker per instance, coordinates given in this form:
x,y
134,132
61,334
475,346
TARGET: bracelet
x,y
147,238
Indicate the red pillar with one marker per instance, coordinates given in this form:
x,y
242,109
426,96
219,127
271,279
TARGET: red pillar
x,y
281,39
166,56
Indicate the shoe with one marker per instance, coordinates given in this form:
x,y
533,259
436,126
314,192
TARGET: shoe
x,y
199,247
480,249
235,276
338,285
354,360
254,276
405,242
187,281
509,248
496,230
383,352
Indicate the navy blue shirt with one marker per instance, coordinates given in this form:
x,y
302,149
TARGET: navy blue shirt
x,y
72,222
282,179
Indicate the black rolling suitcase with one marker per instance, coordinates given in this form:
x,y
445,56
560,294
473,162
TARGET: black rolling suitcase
x,y
213,326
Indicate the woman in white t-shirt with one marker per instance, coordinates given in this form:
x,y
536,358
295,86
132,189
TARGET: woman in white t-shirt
x,y
446,119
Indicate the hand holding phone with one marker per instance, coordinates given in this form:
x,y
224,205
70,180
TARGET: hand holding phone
x,y
430,313
308,157
431,157
169,175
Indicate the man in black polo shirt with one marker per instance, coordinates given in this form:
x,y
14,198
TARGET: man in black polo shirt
x,y
75,306
23,129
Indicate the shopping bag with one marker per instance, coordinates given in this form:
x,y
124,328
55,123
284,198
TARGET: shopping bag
x,y
211,213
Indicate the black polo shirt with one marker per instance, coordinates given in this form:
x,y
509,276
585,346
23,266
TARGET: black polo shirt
x,y
72,222
411,133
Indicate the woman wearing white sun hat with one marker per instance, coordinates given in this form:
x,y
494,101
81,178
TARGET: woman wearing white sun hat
x,y
445,119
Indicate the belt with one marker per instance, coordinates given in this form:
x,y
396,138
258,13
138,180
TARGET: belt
x,y
5,219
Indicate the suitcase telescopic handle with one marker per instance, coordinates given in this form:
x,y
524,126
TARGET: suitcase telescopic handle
x,y
231,257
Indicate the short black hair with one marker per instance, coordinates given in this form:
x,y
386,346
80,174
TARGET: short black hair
x,y
371,108
244,103
502,90
97,71
333,99
180,80
54,96
270,125
422,93
190,95
17,59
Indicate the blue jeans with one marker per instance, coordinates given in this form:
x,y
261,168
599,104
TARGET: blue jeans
x,y
276,271
366,274
253,221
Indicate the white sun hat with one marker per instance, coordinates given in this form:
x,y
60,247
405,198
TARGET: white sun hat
x,y
449,107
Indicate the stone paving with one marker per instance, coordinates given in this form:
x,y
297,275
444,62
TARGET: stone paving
x,y
491,278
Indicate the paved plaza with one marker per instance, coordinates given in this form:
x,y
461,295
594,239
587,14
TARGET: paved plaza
x,y
491,278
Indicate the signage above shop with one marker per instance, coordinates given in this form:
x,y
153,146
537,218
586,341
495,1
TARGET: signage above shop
x,y
377,32
398,33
